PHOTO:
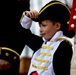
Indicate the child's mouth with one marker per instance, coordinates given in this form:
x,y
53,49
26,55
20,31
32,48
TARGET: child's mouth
x,y
42,34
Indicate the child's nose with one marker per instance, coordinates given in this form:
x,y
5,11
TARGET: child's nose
x,y
41,30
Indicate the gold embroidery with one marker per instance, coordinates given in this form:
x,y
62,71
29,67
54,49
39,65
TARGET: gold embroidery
x,y
59,39
40,67
40,60
51,40
45,54
48,47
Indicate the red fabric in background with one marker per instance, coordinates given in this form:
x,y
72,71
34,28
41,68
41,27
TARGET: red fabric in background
x,y
72,23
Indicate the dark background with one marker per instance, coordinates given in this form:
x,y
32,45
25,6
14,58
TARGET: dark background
x,y
10,14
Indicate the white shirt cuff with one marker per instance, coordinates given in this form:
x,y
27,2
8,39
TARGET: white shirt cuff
x,y
26,22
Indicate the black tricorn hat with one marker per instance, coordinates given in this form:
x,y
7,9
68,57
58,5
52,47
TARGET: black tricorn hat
x,y
54,10
9,61
57,11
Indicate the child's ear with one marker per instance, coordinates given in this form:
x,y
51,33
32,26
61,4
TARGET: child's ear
x,y
58,25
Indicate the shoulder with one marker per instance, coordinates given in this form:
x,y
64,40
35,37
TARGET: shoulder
x,y
62,58
64,50
65,46
64,41
63,53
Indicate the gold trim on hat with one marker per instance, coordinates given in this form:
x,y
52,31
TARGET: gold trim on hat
x,y
53,4
9,49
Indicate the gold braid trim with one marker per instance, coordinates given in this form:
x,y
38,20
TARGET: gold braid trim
x,y
59,39
45,54
40,67
40,60
48,47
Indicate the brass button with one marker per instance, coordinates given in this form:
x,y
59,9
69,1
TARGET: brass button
x,y
7,54
15,57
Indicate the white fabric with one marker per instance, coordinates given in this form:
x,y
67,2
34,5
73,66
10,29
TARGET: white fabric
x,y
23,54
26,22
37,55
26,52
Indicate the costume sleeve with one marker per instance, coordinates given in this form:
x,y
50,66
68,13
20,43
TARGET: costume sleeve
x,y
62,59
25,21
30,39
33,41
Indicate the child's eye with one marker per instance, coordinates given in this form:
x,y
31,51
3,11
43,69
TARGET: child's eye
x,y
43,25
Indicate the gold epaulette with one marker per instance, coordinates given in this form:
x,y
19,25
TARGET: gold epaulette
x,y
59,39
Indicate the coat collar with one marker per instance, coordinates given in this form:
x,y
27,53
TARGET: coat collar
x,y
55,37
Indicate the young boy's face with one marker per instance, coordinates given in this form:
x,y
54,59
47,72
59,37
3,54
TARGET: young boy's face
x,y
47,29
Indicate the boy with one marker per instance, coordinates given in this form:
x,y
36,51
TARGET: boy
x,y
52,52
